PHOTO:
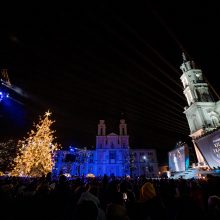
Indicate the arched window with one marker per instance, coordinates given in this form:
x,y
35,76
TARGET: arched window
x,y
112,145
215,121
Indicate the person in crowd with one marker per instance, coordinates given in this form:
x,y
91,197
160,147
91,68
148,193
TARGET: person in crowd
x,y
213,207
88,202
149,205
116,210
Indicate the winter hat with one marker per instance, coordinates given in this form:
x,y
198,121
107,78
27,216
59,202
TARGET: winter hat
x,y
147,191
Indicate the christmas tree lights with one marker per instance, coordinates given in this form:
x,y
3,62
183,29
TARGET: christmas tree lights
x,y
36,153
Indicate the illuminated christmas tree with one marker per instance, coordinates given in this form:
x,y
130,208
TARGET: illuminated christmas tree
x,y
36,154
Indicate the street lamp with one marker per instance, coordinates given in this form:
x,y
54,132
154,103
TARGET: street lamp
x,y
145,162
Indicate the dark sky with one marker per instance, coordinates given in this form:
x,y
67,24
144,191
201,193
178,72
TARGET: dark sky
x,y
91,61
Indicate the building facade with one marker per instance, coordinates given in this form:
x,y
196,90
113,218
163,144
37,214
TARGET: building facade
x,y
144,162
112,156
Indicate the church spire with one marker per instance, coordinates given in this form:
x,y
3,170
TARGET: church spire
x,y
101,128
200,102
195,89
187,63
184,57
122,127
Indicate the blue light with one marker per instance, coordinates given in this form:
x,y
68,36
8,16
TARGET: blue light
x,y
3,95
72,149
14,112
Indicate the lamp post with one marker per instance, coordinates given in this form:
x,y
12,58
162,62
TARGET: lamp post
x,y
145,163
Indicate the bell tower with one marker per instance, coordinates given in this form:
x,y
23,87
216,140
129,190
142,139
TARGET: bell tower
x,y
202,112
123,135
122,127
101,128
101,138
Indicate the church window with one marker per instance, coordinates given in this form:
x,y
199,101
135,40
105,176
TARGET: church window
x,y
215,121
123,131
91,158
70,158
133,157
112,155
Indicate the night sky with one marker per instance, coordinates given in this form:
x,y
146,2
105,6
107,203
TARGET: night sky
x,y
87,62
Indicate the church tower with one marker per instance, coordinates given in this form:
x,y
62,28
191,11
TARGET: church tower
x,y
101,128
122,127
123,136
101,138
202,112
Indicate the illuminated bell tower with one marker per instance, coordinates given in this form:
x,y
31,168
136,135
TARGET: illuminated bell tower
x,y
202,112
101,138
123,135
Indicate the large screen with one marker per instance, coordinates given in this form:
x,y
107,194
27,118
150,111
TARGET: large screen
x,y
179,159
209,146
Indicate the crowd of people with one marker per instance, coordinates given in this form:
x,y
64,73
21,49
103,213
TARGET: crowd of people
x,y
109,198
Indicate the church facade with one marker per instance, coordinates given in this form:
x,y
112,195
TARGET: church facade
x,y
112,156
